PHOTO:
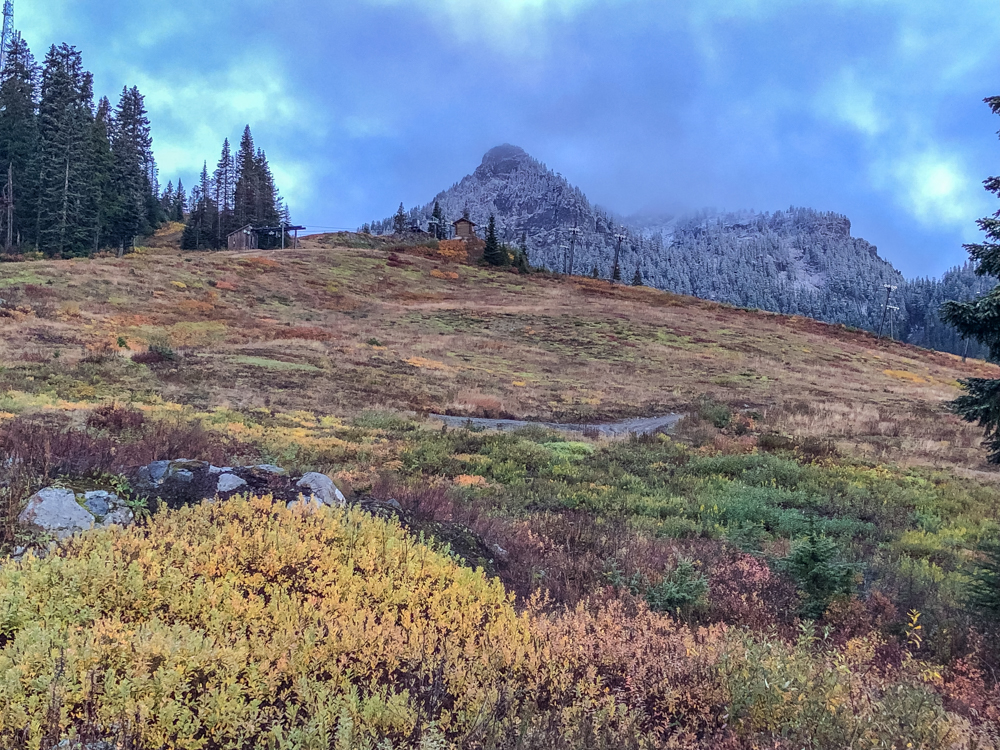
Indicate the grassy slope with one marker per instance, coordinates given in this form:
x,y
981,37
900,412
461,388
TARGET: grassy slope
x,y
337,331
291,354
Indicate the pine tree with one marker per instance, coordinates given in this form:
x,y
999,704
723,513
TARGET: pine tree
x,y
225,183
493,253
399,220
64,220
977,319
983,589
167,199
813,565
438,217
19,136
102,178
594,274
247,182
180,202
198,232
637,278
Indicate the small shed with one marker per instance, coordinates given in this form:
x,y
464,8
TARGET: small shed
x,y
464,229
244,238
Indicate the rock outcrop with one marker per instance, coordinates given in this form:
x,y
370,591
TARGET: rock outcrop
x,y
59,512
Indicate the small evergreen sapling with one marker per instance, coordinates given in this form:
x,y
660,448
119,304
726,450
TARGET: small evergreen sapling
x,y
637,278
983,589
817,574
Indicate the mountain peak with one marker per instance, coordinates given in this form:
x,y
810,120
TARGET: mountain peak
x,y
504,153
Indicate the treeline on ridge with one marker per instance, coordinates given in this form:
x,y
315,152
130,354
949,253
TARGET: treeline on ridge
x,y
77,177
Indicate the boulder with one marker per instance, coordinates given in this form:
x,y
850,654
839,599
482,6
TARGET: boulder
x,y
100,502
229,483
56,511
322,488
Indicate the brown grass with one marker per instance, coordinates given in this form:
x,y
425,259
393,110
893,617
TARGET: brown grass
x,y
485,343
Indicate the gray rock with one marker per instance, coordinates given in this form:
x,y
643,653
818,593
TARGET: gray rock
x,y
229,483
156,471
322,488
118,517
100,502
57,512
219,469
271,469
182,475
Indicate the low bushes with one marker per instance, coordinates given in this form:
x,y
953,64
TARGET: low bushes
x,y
246,624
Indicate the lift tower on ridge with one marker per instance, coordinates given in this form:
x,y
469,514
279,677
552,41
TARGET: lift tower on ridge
x,y
8,30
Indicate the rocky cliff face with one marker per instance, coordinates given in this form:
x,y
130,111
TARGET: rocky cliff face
x,y
797,261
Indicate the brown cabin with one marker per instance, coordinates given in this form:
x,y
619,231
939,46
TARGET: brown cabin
x,y
464,229
244,238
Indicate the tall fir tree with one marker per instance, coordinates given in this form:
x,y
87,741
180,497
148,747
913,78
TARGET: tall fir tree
x,y
65,223
247,183
438,216
493,253
977,319
103,176
131,146
180,202
399,220
199,230
19,82
224,180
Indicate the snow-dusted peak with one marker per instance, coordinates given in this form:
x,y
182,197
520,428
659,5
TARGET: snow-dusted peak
x,y
503,153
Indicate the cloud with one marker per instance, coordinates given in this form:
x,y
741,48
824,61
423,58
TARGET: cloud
x,y
935,187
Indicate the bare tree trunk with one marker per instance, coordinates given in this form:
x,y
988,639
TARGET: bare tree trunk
x,y
65,210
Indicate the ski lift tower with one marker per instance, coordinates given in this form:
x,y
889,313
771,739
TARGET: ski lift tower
x,y
8,31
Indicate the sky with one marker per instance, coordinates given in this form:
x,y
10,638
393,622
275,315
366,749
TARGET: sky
x,y
870,108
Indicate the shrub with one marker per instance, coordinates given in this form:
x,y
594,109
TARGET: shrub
x,y
983,588
234,624
813,566
715,412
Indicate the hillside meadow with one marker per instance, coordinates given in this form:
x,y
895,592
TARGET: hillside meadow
x,y
786,569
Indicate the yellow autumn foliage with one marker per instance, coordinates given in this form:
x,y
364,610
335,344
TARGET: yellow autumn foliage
x,y
244,623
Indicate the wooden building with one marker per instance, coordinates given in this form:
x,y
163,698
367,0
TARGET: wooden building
x,y
464,229
245,238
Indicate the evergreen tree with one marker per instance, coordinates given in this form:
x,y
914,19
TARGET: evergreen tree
x,y
399,220
131,147
224,181
493,253
198,232
813,565
180,202
637,278
523,246
103,165
19,137
167,199
438,217
65,222
616,274
977,319
983,588
247,182
594,274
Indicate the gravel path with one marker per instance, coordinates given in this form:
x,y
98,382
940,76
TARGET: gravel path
x,y
640,426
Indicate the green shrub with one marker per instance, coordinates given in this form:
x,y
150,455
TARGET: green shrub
x,y
714,411
820,578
